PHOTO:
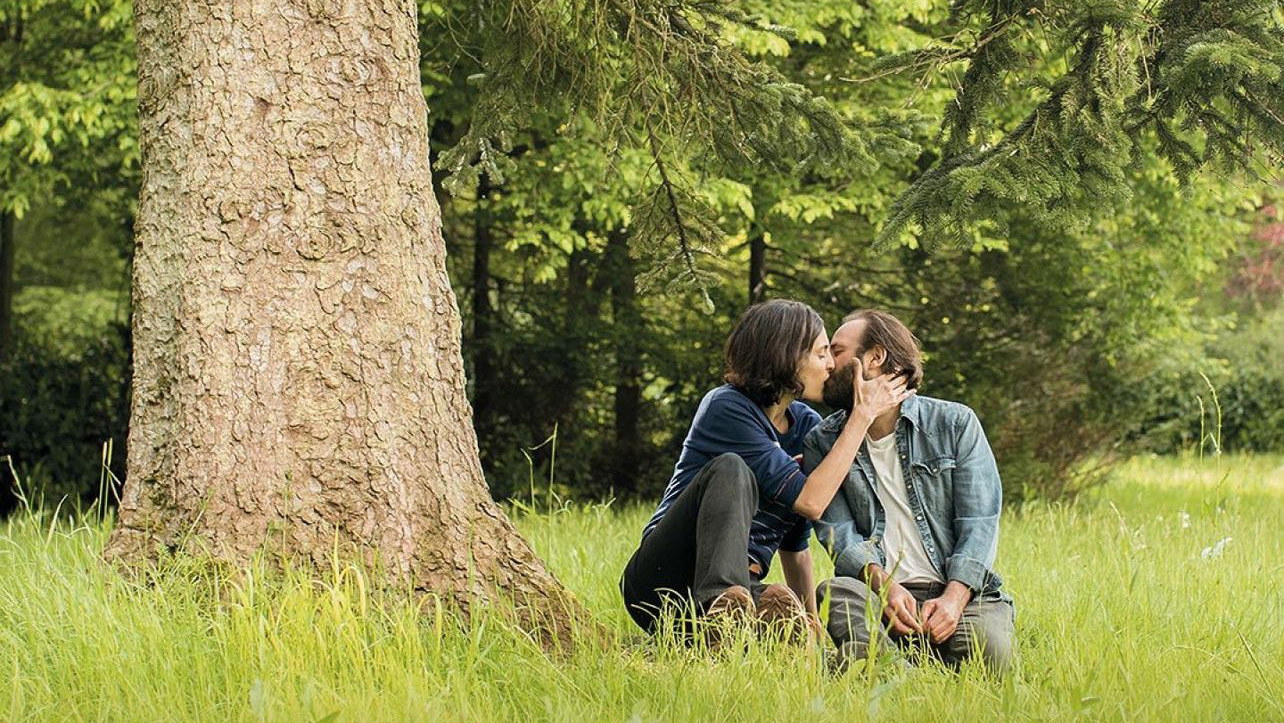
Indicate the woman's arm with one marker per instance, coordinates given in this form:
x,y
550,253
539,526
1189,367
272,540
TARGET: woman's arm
x,y
823,482
872,398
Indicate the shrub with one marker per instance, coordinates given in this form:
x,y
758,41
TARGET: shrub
x,y
64,392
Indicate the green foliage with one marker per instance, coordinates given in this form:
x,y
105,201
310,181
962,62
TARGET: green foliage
x,y
1061,273
1201,79
1249,386
78,241
64,390
197,644
1232,399
67,90
68,170
1051,334
1052,169
64,322
64,386
666,80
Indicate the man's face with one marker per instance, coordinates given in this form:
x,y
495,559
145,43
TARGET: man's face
x,y
845,347
847,342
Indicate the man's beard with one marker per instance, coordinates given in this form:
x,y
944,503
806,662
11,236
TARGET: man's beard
x,y
839,388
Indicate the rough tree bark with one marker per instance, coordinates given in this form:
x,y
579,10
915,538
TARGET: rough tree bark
x,y
297,344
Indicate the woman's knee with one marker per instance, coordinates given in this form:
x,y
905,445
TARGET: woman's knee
x,y
729,462
730,472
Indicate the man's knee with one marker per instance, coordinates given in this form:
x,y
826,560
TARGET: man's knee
x,y
841,590
996,652
846,599
991,637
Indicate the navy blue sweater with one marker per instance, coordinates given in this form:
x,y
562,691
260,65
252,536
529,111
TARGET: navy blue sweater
x,y
728,421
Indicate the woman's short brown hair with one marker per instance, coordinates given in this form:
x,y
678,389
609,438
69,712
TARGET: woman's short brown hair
x,y
765,347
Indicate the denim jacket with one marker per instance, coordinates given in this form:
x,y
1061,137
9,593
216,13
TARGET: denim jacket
x,y
953,487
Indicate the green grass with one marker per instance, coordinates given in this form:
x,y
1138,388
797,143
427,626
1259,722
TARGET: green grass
x,y
1120,617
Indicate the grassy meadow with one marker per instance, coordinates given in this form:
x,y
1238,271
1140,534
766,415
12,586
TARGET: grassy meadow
x,y
1157,597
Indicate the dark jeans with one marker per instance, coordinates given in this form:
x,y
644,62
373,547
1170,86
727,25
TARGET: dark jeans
x,y
855,623
699,548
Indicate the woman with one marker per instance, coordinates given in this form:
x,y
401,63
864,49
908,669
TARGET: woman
x,y
737,494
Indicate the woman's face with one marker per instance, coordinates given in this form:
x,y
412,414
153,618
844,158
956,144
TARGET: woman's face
x,y
815,368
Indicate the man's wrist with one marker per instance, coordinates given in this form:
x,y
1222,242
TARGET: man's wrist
x,y
957,591
876,577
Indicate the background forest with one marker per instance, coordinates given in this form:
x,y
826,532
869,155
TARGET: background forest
x,y
602,247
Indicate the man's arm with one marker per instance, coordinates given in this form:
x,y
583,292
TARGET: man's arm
x,y
900,608
978,498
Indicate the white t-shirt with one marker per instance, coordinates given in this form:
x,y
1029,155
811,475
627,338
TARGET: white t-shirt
x,y
907,559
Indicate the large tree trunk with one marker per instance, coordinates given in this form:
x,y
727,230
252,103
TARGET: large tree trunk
x,y
297,358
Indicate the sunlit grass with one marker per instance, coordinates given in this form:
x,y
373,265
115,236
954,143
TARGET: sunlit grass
x,y
1127,610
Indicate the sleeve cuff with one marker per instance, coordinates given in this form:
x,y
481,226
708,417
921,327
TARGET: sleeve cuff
x,y
799,542
966,570
791,488
799,546
853,560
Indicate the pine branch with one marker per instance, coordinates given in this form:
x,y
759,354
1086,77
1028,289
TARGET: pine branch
x,y
684,244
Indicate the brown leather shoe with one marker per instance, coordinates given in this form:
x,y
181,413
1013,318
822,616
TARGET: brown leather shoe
x,y
781,614
734,601
733,608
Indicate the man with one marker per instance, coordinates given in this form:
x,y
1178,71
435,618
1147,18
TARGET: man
x,y
914,528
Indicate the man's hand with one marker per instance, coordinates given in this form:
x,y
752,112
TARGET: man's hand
x,y
901,610
941,615
872,397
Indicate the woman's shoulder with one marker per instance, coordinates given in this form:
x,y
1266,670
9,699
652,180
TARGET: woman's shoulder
x,y
727,401
727,395
804,414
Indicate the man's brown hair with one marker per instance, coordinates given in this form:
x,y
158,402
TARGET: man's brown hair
x,y
765,347
902,347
